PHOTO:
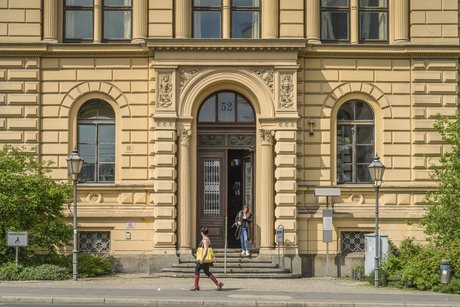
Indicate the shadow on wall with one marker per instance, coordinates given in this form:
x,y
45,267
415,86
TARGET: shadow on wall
x,y
340,265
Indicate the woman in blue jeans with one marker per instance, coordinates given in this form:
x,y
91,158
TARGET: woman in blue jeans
x,y
243,221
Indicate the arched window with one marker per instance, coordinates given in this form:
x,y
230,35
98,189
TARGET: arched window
x,y
226,107
355,142
96,141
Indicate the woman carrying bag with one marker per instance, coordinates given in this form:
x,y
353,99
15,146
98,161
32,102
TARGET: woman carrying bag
x,y
204,258
243,222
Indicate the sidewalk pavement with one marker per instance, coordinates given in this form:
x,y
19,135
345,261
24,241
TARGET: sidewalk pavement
x,y
149,290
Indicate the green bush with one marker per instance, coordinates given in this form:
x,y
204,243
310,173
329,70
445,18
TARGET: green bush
x,y
10,271
13,271
44,272
57,267
91,265
422,271
452,287
417,266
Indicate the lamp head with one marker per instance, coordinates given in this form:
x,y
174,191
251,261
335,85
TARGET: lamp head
x,y
74,164
376,170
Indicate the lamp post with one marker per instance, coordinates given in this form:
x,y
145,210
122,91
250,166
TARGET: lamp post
x,y
74,165
376,170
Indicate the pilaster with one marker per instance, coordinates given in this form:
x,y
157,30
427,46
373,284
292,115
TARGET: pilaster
x,y
226,17
97,21
354,23
185,190
270,18
286,185
313,18
165,161
140,9
401,20
267,218
164,183
50,21
183,18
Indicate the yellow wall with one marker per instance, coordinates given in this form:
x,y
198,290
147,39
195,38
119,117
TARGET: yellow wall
x,y
42,86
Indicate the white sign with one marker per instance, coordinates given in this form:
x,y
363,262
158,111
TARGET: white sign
x,y
327,223
17,238
327,191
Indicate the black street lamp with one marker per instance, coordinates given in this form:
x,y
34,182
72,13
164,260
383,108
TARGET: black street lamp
x,y
376,169
74,165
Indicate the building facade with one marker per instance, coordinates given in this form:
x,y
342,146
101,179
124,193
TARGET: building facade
x,y
186,110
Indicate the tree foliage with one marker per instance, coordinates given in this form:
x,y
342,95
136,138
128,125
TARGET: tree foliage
x,y
31,201
441,220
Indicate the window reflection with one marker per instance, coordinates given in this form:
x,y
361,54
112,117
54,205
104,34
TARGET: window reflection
x,y
334,20
373,20
245,19
226,107
355,142
117,19
78,16
207,16
96,141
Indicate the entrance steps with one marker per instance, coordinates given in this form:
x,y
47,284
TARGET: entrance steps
x,y
238,266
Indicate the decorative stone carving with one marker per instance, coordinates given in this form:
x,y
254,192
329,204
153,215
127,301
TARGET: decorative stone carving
x,y
357,199
185,74
267,136
212,140
286,90
94,197
184,136
165,90
266,74
238,140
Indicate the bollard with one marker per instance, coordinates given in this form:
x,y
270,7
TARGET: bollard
x,y
445,269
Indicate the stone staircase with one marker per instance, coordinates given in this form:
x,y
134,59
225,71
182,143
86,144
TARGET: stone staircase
x,y
237,266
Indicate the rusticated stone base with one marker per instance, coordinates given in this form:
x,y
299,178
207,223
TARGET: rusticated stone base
x,y
143,263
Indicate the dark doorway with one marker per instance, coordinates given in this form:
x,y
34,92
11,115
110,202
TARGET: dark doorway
x,y
240,189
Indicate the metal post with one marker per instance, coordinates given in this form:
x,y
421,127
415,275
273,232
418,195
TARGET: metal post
x,y
279,253
17,255
377,239
75,243
327,244
283,255
225,246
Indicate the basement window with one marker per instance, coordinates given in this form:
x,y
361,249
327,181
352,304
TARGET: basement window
x,y
94,242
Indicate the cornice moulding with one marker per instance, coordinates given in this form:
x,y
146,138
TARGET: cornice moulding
x,y
226,44
44,49
299,46
381,50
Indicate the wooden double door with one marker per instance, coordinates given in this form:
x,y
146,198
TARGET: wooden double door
x,y
225,185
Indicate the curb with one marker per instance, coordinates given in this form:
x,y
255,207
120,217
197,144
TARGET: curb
x,y
198,302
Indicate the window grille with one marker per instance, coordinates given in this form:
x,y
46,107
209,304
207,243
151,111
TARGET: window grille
x,y
353,241
94,242
211,187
